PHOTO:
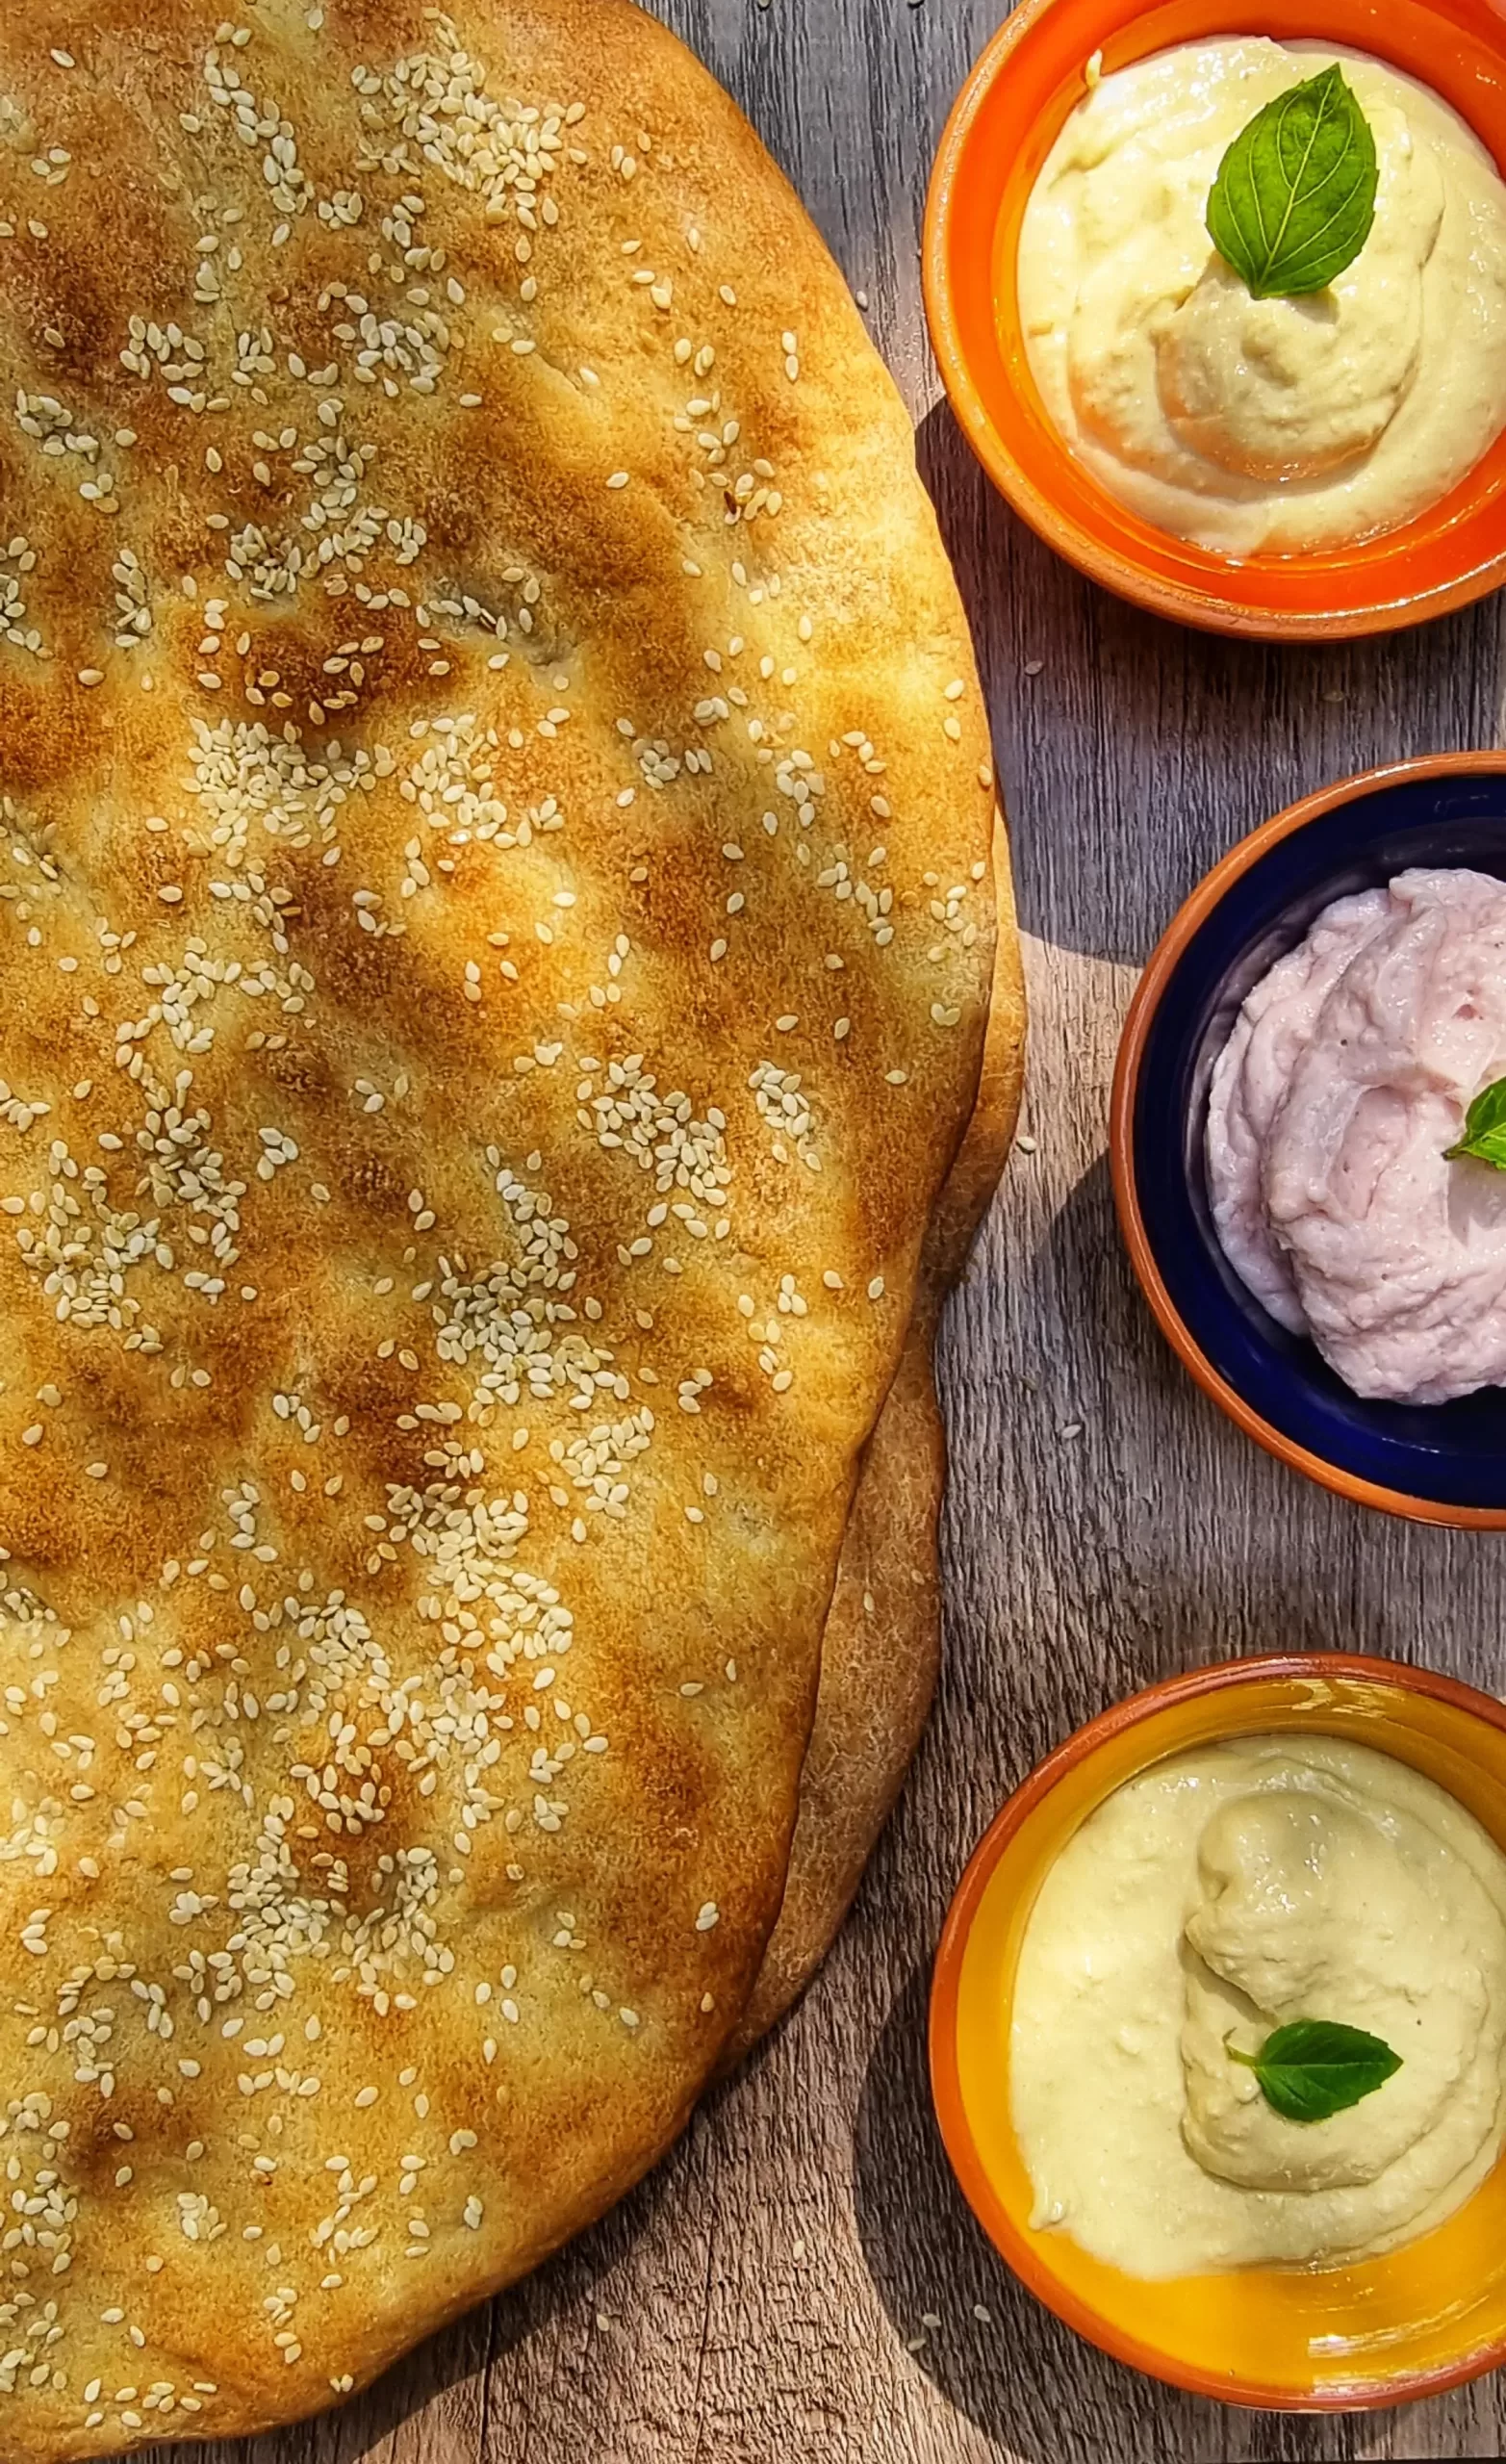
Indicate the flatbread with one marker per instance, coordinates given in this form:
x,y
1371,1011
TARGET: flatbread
x,y
496,922
881,1649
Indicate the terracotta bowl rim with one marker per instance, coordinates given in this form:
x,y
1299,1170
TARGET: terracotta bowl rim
x,y
1017,2252
1099,560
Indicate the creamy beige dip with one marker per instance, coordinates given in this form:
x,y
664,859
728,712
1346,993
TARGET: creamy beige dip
x,y
1276,424
1347,1078
1221,1894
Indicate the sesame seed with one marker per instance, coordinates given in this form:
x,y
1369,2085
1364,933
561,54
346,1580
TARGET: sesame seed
x,y
410,890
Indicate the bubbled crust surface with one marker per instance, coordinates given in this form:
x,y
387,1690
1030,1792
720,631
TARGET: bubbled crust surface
x,y
882,1647
483,712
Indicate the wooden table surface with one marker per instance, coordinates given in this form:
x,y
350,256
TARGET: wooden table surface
x,y
802,2280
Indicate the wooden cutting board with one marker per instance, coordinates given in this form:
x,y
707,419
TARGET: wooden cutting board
x,y
801,2283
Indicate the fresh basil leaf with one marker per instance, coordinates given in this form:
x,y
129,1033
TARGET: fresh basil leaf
x,y
1484,1128
1294,199
1314,2068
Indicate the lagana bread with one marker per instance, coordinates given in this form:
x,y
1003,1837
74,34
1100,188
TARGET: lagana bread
x,y
881,1653
495,921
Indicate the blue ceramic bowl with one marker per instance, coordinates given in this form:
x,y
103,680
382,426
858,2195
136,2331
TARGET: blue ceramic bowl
x,y
1442,1463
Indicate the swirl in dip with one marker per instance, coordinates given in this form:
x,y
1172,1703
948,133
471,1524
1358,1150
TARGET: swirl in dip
x,y
1248,425
1349,1076
1221,1894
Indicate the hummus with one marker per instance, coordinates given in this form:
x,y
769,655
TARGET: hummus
x,y
1276,424
1221,1894
1347,1079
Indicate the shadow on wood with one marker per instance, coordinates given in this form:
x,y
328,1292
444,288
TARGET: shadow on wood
x,y
1139,752
1076,1572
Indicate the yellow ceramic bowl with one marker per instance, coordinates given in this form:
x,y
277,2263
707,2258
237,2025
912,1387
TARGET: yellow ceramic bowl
x,y
1381,2331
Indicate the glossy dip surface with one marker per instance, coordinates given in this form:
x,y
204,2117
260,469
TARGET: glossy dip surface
x,y
1263,426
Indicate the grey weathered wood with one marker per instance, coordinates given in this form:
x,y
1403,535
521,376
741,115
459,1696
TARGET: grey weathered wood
x,y
765,2295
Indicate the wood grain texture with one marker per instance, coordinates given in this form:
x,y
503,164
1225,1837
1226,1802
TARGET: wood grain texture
x,y
800,2279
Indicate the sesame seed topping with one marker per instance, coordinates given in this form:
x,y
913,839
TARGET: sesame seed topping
x,y
400,1208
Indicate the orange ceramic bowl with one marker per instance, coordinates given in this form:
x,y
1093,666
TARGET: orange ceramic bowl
x,y
1006,118
1380,2331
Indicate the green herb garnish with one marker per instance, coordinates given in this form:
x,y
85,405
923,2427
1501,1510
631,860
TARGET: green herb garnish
x,y
1315,2067
1294,199
1484,1128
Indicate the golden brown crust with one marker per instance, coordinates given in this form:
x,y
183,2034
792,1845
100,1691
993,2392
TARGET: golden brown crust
x,y
495,790
882,1647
